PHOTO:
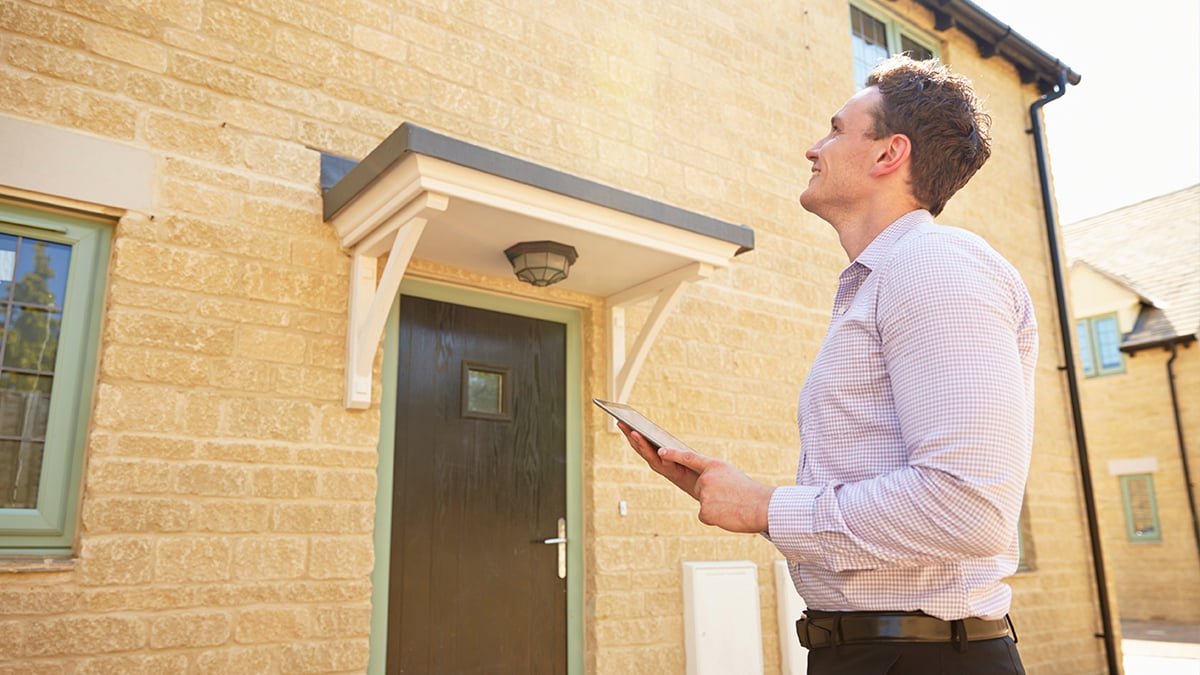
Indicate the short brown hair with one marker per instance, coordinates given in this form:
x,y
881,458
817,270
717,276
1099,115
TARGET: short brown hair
x,y
942,116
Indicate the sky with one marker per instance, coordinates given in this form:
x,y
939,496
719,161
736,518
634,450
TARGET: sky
x,y
1130,130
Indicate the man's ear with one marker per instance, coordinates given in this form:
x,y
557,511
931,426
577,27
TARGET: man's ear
x,y
893,155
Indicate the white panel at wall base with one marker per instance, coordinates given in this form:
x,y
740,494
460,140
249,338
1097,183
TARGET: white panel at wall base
x,y
721,622
789,605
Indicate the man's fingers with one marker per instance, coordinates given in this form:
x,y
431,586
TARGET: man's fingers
x,y
637,440
688,459
691,459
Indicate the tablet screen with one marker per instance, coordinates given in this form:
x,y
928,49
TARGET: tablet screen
x,y
653,433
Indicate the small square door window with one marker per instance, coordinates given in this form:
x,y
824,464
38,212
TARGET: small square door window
x,y
486,391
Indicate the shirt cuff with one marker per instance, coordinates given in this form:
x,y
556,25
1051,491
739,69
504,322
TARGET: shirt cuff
x,y
790,519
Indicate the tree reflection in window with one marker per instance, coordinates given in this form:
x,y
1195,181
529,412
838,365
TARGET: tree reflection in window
x,y
33,278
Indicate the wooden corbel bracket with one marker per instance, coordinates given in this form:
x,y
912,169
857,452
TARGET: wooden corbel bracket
x,y
668,289
372,294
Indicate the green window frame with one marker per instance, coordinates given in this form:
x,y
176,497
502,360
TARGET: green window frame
x,y
1099,340
877,33
1141,508
42,522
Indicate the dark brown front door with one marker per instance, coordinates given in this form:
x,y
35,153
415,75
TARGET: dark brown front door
x,y
480,483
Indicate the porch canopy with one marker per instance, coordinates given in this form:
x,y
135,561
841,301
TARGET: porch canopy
x,y
425,195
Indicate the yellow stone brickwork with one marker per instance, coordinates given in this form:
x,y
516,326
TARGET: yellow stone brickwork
x,y
228,498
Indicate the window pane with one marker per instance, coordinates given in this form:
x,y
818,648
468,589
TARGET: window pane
x,y
41,273
24,416
869,39
30,340
1140,509
484,392
867,28
20,471
1025,551
1085,347
1108,342
33,283
914,49
8,263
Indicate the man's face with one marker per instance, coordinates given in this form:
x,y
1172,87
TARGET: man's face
x,y
841,161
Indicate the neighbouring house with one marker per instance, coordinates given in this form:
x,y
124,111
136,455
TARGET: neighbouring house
x,y
1135,295
274,401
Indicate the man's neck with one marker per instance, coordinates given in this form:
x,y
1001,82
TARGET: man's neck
x,y
857,233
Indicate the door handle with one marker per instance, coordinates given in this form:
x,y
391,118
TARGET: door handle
x,y
561,542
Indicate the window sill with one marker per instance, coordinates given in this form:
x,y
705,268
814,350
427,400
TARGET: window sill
x,y
17,565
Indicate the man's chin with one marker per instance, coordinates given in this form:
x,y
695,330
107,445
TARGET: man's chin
x,y
809,201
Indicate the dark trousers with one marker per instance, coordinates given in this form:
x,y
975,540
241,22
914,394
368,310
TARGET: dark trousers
x,y
984,657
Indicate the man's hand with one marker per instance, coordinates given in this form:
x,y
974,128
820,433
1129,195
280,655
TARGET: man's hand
x,y
728,498
683,477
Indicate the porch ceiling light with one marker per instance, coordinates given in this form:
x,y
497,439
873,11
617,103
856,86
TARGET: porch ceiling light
x,y
541,263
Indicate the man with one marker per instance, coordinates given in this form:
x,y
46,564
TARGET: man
x,y
916,418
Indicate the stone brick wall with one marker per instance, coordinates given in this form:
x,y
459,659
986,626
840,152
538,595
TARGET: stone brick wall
x,y
228,497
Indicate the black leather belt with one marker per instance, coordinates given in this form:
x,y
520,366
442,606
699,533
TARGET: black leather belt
x,y
890,627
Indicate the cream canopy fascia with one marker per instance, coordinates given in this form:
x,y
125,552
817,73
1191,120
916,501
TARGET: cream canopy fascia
x,y
427,196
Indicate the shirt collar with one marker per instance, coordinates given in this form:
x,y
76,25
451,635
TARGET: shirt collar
x,y
877,251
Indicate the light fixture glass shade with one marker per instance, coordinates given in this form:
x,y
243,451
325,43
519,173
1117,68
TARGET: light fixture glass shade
x,y
541,263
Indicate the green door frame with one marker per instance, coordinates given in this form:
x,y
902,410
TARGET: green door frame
x,y
387,438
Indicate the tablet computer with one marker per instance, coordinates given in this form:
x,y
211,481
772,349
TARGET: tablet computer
x,y
656,435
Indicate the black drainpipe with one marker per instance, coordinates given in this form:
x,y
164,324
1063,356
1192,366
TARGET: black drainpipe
x,y
1183,457
1064,322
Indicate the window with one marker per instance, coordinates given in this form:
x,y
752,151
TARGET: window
x,y
876,36
1141,509
1025,551
486,392
1100,345
52,280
